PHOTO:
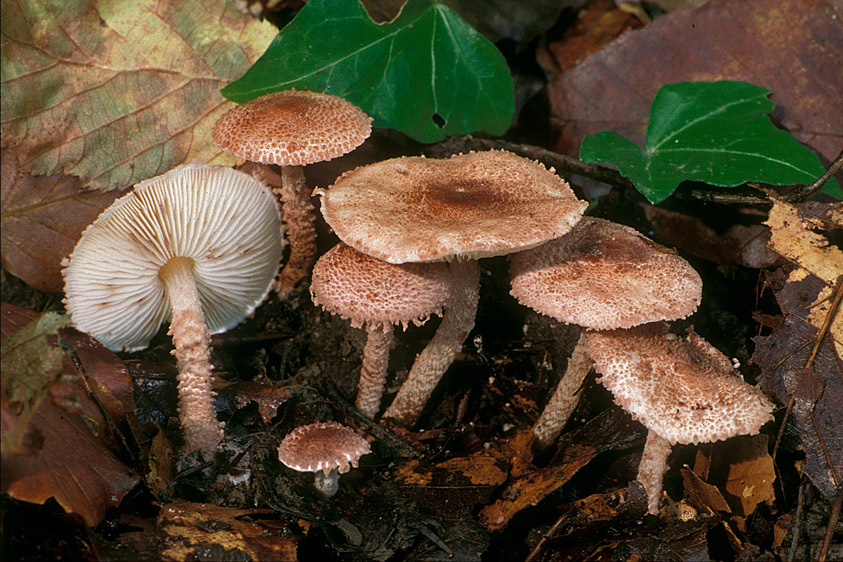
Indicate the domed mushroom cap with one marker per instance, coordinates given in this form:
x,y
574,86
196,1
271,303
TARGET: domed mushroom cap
x,y
605,276
322,446
363,289
683,389
416,209
292,128
223,220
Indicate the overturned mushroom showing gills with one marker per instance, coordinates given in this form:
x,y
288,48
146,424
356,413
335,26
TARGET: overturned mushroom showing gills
x,y
601,276
457,209
366,290
326,448
198,247
683,390
292,129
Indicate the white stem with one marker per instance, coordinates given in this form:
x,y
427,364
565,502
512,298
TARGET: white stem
x,y
202,432
434,360
557,411
652,469
299,216
374,369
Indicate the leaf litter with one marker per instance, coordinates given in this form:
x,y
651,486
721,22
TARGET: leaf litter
x,y
437,487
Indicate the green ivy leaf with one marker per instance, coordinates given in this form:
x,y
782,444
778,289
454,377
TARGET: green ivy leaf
x,y
712,132
427,73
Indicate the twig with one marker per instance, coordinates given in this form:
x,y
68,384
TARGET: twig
x,y
829,530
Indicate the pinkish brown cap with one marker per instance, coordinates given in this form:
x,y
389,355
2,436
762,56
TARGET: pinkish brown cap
x,y
605,276
324,446
363,289
416,209
292,128
683,389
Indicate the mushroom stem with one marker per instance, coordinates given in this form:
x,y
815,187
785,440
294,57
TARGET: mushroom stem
x,y
374,369
299,216
202,432
434,360
560,406
652,469
328,484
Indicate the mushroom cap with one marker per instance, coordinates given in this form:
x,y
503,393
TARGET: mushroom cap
x,y
605,276
364,289
683,389
322,446
292,128
224,220
416,209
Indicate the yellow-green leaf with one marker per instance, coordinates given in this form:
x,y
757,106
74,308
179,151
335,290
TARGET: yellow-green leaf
x,y
116,91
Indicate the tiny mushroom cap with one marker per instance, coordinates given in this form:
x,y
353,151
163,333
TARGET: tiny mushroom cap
x,y
197,247
458,209
327,447
605,276
292,128
683,390
366,290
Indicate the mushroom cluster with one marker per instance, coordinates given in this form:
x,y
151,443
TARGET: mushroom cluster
x,y
601,276
292,129
197,247
454,210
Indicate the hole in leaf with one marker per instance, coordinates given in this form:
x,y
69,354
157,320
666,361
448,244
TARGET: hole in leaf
x,y
439,120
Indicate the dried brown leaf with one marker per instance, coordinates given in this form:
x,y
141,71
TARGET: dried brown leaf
x,y
192,531
787,47
42,219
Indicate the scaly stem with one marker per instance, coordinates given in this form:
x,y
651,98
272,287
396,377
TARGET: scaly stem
x,y
202,432
434,360
557,411
373,372
652,469
299,217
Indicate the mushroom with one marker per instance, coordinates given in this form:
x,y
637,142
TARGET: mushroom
x,y
600,276
199,247
458,209
682,389
292,129
369,291
327,448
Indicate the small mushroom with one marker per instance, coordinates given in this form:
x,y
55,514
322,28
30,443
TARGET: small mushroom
x,y
600,276
682,389
199,247
380,295
326,448
292,129
458,209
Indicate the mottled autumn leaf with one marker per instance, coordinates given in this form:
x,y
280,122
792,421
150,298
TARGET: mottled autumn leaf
x,y
42,218
117,91
786,47
193,531
65,450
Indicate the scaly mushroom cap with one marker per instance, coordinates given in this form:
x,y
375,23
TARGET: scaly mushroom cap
x,y
683,389
605,276
363,289
292,128
416,209
223,220
322,446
